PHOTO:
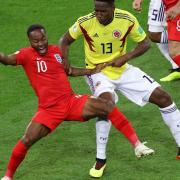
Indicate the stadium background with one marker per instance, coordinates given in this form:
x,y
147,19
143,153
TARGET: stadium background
x,y
69,152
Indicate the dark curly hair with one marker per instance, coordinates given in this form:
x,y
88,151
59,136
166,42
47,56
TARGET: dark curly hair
x,y
107,1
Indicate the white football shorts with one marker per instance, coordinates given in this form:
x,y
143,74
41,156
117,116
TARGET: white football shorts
x,y
134,84
156,16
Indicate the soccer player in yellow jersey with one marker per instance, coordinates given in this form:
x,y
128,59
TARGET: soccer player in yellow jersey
x,y
105,33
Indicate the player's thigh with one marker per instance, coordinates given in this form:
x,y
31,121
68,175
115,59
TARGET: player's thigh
x,y
76,107
97,107
156,16
84,107
136,85
99,84
51,117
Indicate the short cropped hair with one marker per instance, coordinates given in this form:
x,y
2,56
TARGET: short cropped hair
x,y
108,1
34,27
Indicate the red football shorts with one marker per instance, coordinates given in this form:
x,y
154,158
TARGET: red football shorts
x,y
69,109
174,29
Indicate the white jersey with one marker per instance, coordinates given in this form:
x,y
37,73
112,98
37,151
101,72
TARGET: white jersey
x,y
156,16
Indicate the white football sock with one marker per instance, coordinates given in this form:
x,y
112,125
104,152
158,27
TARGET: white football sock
x,y
171,116
102,132
164,37
164,50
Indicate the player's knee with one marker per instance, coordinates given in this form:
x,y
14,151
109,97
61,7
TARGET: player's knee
x,y
106,108
109,106
161,98
165,99
28,140
154,36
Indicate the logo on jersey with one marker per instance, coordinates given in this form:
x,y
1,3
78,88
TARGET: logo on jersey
x,y
97,84
140,30
58,58
38,59
116,34
78,96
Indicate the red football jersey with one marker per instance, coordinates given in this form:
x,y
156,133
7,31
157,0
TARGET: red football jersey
x,y
169,3
46,74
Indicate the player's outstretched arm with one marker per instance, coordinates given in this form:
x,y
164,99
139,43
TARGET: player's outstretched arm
x,y
7,59
172,12
140,49
64,43
137,5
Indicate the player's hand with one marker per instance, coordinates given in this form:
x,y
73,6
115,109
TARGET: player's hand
x,y
118,62
172,12
98,68
137,5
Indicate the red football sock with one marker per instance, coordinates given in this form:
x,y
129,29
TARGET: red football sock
x,y
177,60
17,156
123,125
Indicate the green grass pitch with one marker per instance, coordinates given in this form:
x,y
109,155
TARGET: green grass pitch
x,y
69,152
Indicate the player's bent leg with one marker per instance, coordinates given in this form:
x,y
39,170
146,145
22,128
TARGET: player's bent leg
x,y
103,109
100,108
34,132
102,132
124,126
169,112
103,127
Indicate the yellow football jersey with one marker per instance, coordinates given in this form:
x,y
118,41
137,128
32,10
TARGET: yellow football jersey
x,y
105,43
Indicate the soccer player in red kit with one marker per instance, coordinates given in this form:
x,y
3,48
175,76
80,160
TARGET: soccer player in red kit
x,y
57,101
173,21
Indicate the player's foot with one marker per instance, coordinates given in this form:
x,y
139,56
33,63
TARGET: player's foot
x,y
98,169
178,154
175,74
142,150
6,178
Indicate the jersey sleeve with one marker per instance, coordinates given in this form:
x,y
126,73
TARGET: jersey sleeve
x,y
137,33
75,30
20,57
